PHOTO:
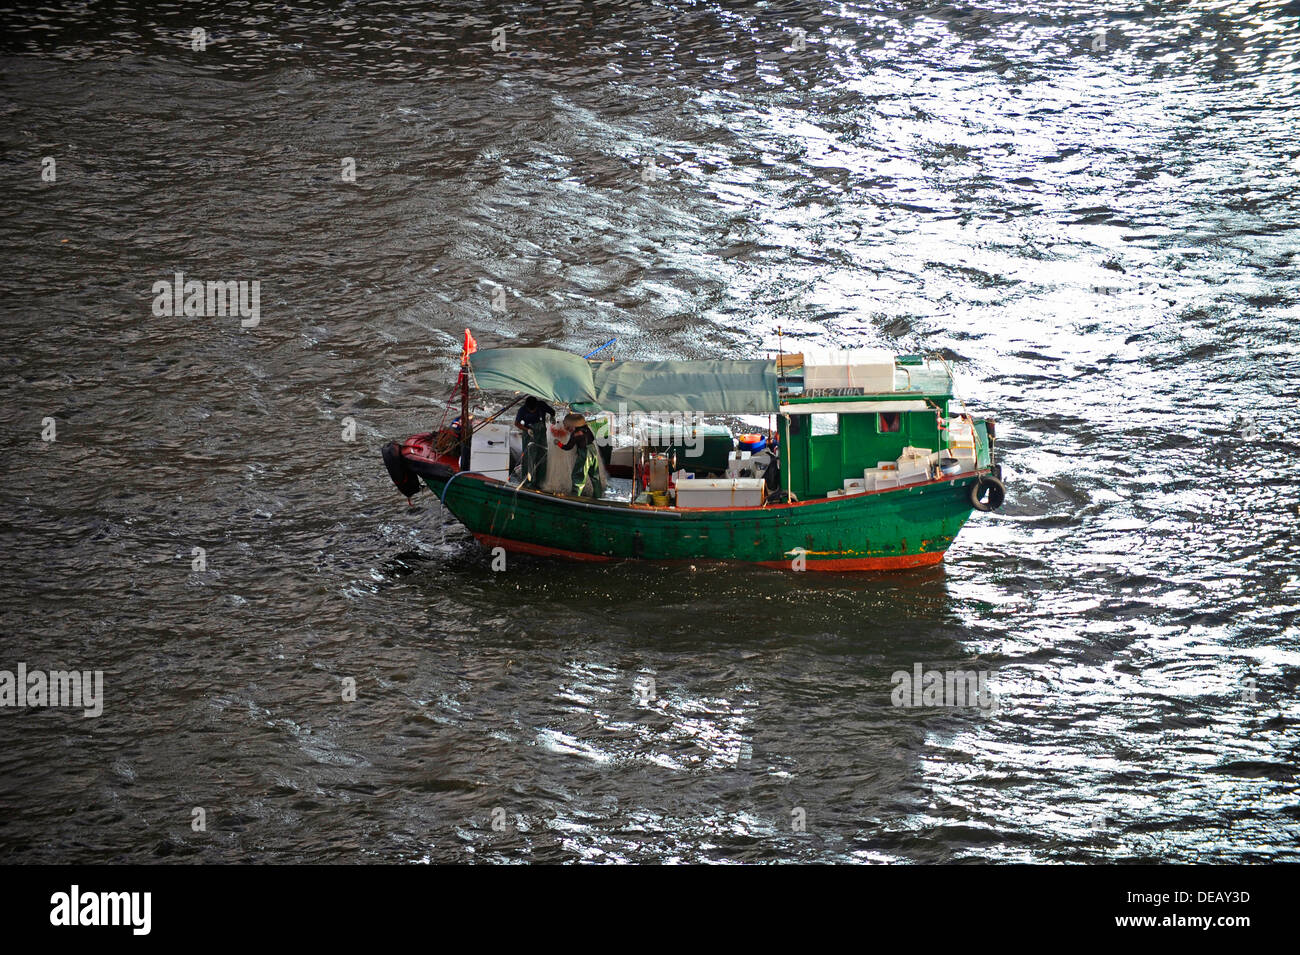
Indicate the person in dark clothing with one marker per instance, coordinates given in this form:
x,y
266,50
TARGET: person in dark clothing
x,y
531,412
531,419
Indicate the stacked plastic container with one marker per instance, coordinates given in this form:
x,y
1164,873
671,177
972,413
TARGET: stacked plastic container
x,y
961,442
868,369
913,466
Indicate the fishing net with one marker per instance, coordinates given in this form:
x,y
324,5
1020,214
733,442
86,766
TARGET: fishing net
x,y
558,475
577,471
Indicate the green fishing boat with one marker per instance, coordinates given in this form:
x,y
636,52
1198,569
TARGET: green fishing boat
x,y
868,461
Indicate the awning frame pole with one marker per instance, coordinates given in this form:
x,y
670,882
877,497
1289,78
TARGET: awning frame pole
x,y
789,488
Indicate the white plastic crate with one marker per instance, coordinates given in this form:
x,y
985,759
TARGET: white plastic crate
x,y
913,466
960,432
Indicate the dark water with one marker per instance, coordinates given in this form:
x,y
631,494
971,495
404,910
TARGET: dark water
x,y
1102,234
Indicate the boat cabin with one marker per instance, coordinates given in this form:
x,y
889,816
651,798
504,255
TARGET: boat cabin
x,y
847,417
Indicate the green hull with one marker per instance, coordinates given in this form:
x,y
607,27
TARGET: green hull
x,y
884,530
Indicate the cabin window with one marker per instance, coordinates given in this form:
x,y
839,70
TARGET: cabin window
x,y
888,422
825,424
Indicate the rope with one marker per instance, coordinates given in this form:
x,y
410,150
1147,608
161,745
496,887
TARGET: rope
x,y
442,498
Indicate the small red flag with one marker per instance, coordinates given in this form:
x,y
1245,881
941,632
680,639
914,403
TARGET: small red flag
x,y
471,347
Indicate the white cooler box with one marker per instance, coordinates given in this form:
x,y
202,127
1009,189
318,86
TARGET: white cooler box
x,y
721,492
490,451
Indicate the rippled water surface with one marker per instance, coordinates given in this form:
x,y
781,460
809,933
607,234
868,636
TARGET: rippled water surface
x,y
1092,209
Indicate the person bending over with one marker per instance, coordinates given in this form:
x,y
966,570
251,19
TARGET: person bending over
x,y
586,462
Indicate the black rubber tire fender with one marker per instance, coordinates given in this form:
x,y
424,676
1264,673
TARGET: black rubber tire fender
x,y
997,493
406,480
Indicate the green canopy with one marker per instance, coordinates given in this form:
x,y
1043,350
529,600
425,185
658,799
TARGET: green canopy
x,y
716,385
544,372
703,387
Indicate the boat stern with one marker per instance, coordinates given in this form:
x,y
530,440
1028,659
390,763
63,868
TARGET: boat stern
x,y
432,457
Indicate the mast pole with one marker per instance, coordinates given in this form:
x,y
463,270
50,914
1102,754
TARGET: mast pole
x,y
466,432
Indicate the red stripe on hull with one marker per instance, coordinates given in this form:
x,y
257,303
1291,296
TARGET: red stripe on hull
x,y
903,562
833,565
536,550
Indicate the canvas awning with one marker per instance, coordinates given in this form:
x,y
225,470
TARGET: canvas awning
x,y
710,386
549,374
